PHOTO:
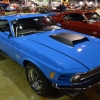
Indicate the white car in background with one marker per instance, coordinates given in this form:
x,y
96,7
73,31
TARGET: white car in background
x,y
10,8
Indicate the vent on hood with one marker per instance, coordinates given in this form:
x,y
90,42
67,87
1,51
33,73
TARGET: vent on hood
x,y
69,39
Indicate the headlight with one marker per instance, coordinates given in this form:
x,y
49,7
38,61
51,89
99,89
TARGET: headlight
x,y
76,78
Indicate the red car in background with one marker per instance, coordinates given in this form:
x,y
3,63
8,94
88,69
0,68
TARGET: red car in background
x,y
86,21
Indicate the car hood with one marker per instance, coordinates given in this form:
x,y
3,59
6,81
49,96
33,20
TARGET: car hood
x,y
96,23
86,52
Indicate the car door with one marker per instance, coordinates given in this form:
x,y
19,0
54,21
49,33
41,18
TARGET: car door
x,y
6,41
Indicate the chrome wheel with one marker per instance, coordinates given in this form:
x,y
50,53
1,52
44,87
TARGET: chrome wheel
x,y
37,80
34,78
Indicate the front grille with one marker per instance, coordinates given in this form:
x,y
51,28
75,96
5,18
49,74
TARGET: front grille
x,y
63,77
89,75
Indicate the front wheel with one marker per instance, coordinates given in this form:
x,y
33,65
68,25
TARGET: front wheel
x,y
39,83
0,51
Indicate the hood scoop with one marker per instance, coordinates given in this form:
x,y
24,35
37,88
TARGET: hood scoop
x,y
69,39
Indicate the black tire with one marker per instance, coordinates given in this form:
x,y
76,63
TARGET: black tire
x,y
0,51
39,83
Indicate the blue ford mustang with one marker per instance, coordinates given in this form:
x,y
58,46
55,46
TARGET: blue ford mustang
x,y
52,56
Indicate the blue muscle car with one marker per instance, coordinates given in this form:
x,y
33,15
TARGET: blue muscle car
x,y
52,56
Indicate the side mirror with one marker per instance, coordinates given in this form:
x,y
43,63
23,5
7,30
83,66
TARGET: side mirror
x,y
7,33
84,21
58,24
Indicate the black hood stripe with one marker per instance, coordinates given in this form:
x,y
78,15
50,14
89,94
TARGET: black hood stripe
x,y
68,38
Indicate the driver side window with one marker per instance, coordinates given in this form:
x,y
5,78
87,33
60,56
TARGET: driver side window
x,y
4,26
74,17
68,17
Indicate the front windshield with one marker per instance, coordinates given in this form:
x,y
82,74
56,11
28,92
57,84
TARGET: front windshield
x,y
93,17
26,26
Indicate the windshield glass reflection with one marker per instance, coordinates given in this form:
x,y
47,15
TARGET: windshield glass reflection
x,y
93,17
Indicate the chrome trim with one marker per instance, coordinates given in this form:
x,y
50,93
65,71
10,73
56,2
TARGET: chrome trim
x,y
86,73
67,88
85,18
56,86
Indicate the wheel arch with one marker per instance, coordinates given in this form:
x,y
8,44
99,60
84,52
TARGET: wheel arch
x,y
35,63
46,84
25,62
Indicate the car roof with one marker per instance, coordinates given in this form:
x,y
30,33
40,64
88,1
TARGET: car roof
x,y
19,16
79,11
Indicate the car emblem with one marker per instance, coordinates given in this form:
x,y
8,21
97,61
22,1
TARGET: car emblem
x,y
17,56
